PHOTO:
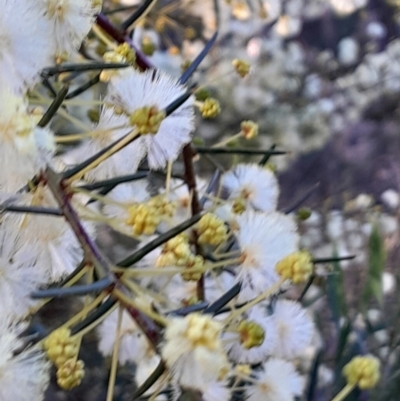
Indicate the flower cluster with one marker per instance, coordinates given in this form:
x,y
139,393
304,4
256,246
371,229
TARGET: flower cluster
x,y
204,301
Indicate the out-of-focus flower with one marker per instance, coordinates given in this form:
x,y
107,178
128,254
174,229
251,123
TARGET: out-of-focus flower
x,y
295,329
194,352
154,89
278,381
24,44
264,239
25,376
67,21
256,186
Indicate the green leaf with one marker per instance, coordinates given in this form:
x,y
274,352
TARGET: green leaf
x,y
377,257
336,293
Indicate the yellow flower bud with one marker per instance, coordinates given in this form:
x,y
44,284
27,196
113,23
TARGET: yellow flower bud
x,y
122,54
242,67
190,33
251,334
147,119
211,230
126,52
296,267
249,129
210,108
70,374
60,346
239,205
303,213
143,219
243,369
193,262
362,371
147,46
203,331
164,208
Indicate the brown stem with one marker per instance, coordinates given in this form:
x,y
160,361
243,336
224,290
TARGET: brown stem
x,y
92,253
104,23
90,249
190,180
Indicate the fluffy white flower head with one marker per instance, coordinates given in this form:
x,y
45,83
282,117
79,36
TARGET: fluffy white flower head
x,y
22,145
295,329
18,278
124,196
256,186
193,350
25,48
124,162
54,246
278,381
69,21
151,88
257,354
264,239
29,369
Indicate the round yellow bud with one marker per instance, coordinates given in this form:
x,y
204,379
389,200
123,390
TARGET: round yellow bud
x,y
242,67
193,262
239,205
303,213
147,119
210,108
164,208
249,129
147,46
60,346
296,267
362,371
211,230
251,334
143,219
70,374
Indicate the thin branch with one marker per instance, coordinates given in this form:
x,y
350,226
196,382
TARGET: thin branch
x,y
92,317
59,69
267,155
239,151
90,249
161,239
224,299
115,181
119,37
76,92
76,290
30,209
302,199
138,13
196,62
331,260
55,105
158,371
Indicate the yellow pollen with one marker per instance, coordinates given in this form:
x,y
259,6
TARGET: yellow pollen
x,y
251,334
296,267
147,119
212,230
